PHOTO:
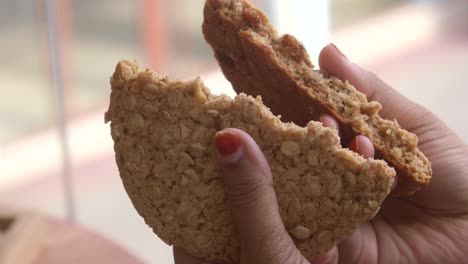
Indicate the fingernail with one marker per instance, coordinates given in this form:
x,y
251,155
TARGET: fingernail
x,y
363,146
329,121
354,145
339,51
229,146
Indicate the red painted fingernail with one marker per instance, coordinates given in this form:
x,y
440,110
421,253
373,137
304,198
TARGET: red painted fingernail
x,y
329,121
363,146
339,51
354,145
227,143
322,119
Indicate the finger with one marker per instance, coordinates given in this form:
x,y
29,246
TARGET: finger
x,y
360,247
362,145
248,183
359,144
329,121
249,189
395,105
182,257
436,141
331,257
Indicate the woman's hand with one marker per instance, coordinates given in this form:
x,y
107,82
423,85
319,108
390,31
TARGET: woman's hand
x,y
429,227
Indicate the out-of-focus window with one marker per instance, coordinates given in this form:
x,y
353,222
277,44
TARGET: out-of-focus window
x,y
98,34
24,92
344,12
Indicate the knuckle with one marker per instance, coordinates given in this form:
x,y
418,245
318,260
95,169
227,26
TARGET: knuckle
x,y
244,194
275,246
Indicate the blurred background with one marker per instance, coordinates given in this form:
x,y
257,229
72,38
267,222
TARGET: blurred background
x,y
57,56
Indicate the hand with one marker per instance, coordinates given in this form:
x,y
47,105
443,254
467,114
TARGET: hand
x,y
429,227
249,187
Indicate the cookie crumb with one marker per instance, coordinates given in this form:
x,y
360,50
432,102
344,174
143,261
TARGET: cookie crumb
x,y
301,232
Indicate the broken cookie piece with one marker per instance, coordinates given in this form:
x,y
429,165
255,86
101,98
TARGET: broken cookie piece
x,y
163,134
259,62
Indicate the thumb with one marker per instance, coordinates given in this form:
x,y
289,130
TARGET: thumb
x,y
249,188
409,114
442,147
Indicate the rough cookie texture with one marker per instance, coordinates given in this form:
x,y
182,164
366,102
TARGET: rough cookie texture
x,y
164,143
259,62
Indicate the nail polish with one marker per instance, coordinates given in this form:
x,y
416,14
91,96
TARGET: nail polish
x,y
354,145
321,119
329,121
363,146
227,143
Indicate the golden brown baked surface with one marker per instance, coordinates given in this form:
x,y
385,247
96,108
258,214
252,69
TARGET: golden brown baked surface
x,y
259,62
163,132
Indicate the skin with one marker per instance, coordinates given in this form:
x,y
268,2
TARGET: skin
x,y
429,227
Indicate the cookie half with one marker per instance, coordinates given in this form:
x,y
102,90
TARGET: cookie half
x,y
259,62
164,131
